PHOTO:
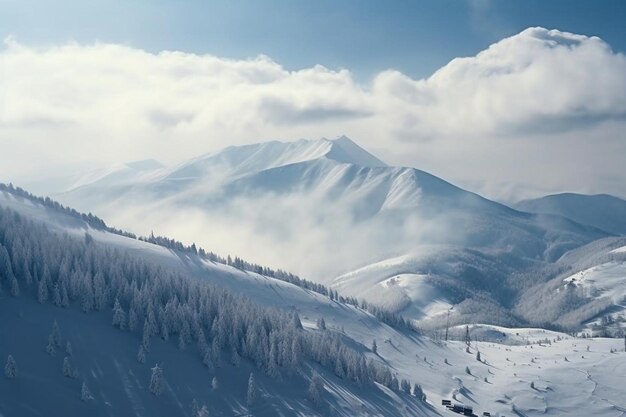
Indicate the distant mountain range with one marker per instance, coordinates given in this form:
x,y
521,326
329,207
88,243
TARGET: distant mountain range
x,y
603,211
331,211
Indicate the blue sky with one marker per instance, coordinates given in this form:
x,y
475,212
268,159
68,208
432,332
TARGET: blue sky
x,y
415,37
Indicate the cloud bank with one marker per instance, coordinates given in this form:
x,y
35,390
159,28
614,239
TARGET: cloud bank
x,y
541,111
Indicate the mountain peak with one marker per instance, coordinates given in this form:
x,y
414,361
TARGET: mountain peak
x,y
343,149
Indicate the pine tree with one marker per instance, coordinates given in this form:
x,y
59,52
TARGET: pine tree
x,y
165,331
184,336
394,384
418,392
56,295
132,319
468,340
56,334
10,369
478,356
147,333
141,354
42,291
203,412
156,381
314,392
119,316
194,408
51,348
15,286
235,359
374,347
215,384
405,386
85,394
65,300
295,321
67,368
252,391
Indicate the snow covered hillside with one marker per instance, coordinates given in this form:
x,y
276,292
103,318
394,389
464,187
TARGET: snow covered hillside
x,y
153,330
521,371
603,211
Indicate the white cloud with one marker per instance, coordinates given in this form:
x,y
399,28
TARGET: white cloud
x,y
539,104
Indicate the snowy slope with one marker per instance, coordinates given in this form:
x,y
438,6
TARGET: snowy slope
x,y
119,383
568,379
588,287
603,211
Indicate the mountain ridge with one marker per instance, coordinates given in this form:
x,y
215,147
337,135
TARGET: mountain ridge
x,y
603,211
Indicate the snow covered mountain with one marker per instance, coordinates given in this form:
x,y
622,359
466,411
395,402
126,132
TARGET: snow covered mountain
x,y
387,234
521,371
602,211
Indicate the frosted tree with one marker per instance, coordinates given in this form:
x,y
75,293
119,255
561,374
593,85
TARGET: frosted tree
x,y
394,385
119,316
374,347
5,263
10,369
42,290
184,336
418,392
100,293
68,348
405,386
203,412
15,286
296,352
156,381
314,392
252,391
65,299
67,368
147,333
132,320
215,383
56,334
235,359
141,354
202,343
85,394
295,321
56,295
165,331
50,347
